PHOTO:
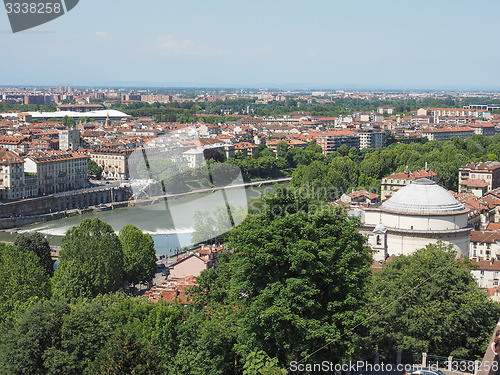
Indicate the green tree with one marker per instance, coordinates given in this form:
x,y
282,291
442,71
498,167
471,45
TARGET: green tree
x,y
212,227
57,337
139,255
343,150
259,363
296,280
90,262
38,244
165,172
26,342
22,278
429,302
93,170
281,149
124,354
69,122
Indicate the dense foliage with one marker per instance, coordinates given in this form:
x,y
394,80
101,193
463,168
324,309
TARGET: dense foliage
x,y
346,169
39,245
23,278
139,255
429,302
90,262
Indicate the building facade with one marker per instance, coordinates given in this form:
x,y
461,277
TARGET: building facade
x,y
371,139
12,183
114,163
330,141
446,133
69,139
57,171
485,175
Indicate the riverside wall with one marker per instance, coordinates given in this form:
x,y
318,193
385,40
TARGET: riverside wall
x,y
28,211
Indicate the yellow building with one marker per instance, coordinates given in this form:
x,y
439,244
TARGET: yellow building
x,y
113,162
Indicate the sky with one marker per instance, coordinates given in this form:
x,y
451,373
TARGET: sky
x,y
333,44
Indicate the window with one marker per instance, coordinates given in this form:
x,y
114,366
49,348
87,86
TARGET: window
x,y
482,272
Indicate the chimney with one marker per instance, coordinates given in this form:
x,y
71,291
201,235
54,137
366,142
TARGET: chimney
x,y
426,166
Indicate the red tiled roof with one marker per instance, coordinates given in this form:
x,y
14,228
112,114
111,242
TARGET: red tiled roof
x,y
412,175
475,182
484,236
493,226
9,157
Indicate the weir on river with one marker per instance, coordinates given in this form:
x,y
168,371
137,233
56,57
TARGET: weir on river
x,y
168,234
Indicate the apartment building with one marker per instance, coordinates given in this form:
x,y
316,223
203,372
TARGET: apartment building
x,y
330,141
114,162
13,143
69,139
446,133
484,176
388,110
371,138
79,107
455,112
484,245
396,181
57,171
483,128
11,175
486,272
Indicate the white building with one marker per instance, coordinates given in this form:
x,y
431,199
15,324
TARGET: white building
x,y
371,139
487,273
416,215
69,140
194,157
57,171
11,175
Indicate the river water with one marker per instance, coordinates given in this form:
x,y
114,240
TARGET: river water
x,y
171,225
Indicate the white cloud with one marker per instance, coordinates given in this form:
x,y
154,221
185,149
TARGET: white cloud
x,y
101,35
169,45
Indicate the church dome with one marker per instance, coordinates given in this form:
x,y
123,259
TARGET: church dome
x,y
423,196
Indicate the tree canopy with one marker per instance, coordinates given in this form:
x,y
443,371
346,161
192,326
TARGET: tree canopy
x,y
429,302
297,276
39,245
139,255
90,262
22,278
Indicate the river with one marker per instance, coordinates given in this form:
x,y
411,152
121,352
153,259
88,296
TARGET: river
x,y
171,225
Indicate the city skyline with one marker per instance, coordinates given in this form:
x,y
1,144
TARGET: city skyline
x,y
324,45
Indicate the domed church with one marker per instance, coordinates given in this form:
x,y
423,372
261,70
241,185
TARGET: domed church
x,y
418,214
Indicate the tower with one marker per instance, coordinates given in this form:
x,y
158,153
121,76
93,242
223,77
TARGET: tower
x,y
379,242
